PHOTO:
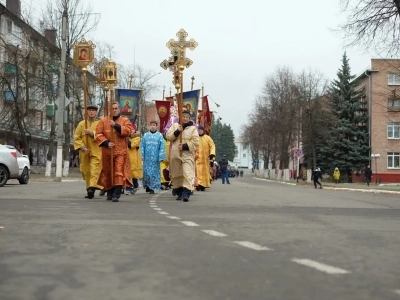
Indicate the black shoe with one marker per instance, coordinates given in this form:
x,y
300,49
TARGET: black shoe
x,y
174,192
109,198
179,198
202,188
147,190
151,192
90,192
114,199
320,187
198,188
102,193
185,199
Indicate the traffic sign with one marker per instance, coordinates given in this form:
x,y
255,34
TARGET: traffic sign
x,y
298,152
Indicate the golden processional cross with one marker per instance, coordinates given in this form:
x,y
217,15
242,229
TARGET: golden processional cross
x,y
178,62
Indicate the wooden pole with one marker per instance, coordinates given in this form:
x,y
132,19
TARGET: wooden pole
x,y
85,103
105,89
112,133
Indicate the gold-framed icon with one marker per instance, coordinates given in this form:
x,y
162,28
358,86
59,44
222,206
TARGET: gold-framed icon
x,y
83,53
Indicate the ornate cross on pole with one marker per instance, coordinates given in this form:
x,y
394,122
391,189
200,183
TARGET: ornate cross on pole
x,y
178,62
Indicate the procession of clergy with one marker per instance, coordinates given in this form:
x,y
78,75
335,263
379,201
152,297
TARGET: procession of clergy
x,y
113,157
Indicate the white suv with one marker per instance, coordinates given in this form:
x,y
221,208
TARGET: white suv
x,y
13,165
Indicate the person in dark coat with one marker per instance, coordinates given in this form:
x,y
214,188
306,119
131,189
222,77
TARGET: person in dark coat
x,y
368,174
223,167
316,175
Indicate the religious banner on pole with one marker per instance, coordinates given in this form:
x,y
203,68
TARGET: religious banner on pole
x,y
163,108
206,115
191,103
129,101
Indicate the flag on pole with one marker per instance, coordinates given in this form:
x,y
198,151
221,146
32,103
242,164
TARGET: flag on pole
x,y
163,111
206,115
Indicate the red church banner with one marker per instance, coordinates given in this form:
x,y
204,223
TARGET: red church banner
x,y
205,119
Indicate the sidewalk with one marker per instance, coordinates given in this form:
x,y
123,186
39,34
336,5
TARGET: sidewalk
x,y
358,187
73,175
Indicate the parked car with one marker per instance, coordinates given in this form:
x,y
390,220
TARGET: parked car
x,y
9,168
24,168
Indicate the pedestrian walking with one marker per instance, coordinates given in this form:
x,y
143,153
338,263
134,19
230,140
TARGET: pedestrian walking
x,y
241,173
316,175
368,174
336,175
223,167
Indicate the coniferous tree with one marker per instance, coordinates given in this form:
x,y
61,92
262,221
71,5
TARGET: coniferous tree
x,y
347,145
224,140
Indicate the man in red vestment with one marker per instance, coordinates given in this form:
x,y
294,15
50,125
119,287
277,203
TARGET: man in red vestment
x,y
111,133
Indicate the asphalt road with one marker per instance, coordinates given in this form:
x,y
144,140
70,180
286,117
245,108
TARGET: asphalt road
x,y
249,240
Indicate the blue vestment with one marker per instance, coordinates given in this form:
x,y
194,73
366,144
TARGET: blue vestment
x,y
153,152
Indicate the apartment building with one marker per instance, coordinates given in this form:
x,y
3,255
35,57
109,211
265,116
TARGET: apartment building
x,y
381,84
29,68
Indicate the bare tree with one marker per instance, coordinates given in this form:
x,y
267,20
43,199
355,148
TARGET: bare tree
x,y
81,21
372,24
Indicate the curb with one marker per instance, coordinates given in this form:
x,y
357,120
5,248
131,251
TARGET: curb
x,y
335,188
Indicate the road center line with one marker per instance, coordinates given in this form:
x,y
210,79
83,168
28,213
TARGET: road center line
x,y
163,213
173,218
214,233
253,246
319,266
155,208
188,223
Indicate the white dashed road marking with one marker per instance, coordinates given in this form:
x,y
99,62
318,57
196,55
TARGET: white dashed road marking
x,y
163,213
173,218
397,292
319,266
214,233
253,246
188,223
155,208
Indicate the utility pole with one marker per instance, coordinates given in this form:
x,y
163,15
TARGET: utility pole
x,y
61,98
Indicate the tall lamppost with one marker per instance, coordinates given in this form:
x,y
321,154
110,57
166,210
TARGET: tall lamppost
x,y
376,156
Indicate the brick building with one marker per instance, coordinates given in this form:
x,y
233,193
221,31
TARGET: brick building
x,y
381,84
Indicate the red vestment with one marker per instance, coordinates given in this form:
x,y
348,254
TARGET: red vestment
x,y
121,159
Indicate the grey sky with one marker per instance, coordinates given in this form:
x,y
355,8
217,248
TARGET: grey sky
x,y
240,42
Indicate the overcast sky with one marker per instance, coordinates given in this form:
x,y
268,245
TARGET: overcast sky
x,y
240,43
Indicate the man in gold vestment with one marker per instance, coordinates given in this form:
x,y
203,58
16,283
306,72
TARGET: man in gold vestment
x,y
206,153
89,151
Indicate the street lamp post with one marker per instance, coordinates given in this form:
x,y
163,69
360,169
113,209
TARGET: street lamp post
x,y
376,156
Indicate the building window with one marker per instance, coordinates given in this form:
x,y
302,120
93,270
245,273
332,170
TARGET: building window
x,y
393,104
9,26
393,130
244,155
393,160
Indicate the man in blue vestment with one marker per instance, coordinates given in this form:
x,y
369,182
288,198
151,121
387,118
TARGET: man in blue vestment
x,y
153,152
